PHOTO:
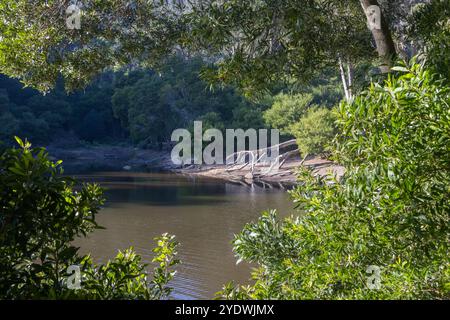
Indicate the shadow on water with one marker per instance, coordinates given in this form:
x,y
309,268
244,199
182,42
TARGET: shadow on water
x,y
203,213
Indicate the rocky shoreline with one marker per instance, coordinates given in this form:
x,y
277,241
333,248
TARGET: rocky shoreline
x,y
285,177
101,158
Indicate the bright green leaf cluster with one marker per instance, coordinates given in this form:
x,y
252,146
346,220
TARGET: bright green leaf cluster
x,y
390,211
42,212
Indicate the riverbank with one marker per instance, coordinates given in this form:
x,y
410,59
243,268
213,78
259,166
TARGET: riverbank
x,y
101,158
284,177
104,157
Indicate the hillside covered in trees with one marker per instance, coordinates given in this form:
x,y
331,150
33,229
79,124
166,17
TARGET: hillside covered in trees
x,y
140,107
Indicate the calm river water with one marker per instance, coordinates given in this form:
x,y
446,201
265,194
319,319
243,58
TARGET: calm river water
x,y
204,214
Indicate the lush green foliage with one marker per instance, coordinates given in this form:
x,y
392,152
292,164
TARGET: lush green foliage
x,y
299,115
287,110
429,26
254,43
42,213
58,117
143,106
125,277
390,212
152,105
265,42
315,131
113,33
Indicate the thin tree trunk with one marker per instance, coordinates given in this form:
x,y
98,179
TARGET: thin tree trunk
x,y
344,80
382,35
350,79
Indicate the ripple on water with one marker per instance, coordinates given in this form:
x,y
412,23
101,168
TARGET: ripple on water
x,y
204,215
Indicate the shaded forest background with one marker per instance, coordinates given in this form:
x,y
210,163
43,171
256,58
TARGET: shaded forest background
x,y
142,107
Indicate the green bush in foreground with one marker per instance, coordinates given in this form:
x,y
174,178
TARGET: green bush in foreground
x,y
41,214
382,231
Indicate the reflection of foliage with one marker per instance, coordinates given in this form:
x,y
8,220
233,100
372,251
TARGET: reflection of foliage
x,y
41,215
391,208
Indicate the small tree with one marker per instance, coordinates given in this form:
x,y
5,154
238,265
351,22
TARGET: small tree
x,y
287,110
315,131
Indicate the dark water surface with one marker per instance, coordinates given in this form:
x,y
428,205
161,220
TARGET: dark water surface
x,y
204,214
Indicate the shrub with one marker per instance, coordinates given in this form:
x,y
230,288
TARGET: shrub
x,y
315,131
42,213
125,278
382,231
287,110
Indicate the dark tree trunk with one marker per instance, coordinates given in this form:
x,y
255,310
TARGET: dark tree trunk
x,y
382,35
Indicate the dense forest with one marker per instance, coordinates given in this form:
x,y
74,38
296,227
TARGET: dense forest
x,y
142,107
138,106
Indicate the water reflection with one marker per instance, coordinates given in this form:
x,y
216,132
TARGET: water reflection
x,y
204,214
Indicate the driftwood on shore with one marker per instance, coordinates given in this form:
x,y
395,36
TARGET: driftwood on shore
x,y
255,167
262,157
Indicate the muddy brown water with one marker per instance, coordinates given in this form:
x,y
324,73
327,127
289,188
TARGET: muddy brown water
x,y
203,213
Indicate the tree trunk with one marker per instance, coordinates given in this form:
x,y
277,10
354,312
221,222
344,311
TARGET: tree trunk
x,y
350,78
344,80
382,35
